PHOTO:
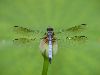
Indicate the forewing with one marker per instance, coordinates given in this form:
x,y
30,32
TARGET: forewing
x,y
24,31
76,28
25,35
72,35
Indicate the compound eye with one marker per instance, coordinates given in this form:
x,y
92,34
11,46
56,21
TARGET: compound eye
x,y
49,29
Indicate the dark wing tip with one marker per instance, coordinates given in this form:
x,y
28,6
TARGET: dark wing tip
x,y
16,26
84,36
83,24
15,39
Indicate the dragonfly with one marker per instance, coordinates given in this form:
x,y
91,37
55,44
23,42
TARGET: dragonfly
x,y
49,40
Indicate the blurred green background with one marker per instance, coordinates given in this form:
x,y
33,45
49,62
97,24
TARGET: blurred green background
x,y
74,60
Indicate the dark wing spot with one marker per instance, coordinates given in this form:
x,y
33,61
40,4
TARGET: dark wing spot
x,y
16,26
83,24
67,37
33,39
15,39
82,36
75,36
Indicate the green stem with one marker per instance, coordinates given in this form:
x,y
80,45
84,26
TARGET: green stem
x,y
45,66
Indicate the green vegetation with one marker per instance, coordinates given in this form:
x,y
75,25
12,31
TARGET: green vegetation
x,y
45,66
80,59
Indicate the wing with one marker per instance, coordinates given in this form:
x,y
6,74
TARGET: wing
x,y
25,35
23,30
23,40
77,38
73,34
77,28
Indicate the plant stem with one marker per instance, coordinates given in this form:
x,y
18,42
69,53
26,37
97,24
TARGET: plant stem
x,y
45,66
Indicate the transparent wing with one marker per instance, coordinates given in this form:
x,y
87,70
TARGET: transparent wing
x,y
77,38
23,40
25,35
73,34
72,30
76,28
23,30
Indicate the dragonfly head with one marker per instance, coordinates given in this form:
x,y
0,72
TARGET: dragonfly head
x,y
49,29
